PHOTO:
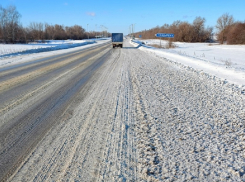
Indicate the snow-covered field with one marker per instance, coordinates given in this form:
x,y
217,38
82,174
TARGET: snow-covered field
x,y
10,50
15,53
224,61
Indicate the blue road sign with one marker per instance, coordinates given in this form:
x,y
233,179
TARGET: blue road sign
x,y
168,35
140,36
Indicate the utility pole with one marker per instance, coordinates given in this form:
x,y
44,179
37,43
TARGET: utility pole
x,y
134,29
130,31
101,26
105,33
96,31
87,30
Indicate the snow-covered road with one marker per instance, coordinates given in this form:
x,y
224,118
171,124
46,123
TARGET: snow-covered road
x,y
145,119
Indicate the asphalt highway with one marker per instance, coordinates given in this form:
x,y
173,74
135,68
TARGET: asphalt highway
x,y
34,96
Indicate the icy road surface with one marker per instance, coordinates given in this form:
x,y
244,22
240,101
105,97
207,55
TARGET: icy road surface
x,y
145,119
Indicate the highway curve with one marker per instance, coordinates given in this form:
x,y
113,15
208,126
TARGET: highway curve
x,y
34,96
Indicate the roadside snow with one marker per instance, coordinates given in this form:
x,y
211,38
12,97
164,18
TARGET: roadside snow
x,y
16,53
224,61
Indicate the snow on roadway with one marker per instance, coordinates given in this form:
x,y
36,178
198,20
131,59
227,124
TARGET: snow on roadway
x,y
143,118
224,61
16,53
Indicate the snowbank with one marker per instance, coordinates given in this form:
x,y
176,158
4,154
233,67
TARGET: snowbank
x,y
224,61
10,50
16,53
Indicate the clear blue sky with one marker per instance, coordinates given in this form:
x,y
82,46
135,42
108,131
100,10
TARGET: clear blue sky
x,y
118,15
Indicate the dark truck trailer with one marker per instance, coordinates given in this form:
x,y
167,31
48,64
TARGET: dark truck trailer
x,y
117,40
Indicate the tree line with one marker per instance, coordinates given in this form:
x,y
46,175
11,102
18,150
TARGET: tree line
x,y
228,31
11,30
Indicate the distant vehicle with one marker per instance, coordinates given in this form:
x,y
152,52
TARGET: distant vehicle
x,y
117,40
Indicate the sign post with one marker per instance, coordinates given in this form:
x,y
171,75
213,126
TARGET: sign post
x,y
165,35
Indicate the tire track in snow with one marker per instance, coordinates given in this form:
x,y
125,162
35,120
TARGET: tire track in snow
x,y
120,159
92,144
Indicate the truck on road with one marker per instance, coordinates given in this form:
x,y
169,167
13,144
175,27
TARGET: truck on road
x,y
117,40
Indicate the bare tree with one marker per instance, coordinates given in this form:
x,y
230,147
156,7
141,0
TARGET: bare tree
x,y
1,29
24,34
78,31
223,24
185,32
236,34
40,31
11,29
9,23
14,17
60,33
50,31
199,29
3,23
37,30
208,35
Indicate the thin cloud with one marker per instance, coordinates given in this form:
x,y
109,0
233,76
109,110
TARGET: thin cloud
x,y
187,16
171,12
66,4
91,13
